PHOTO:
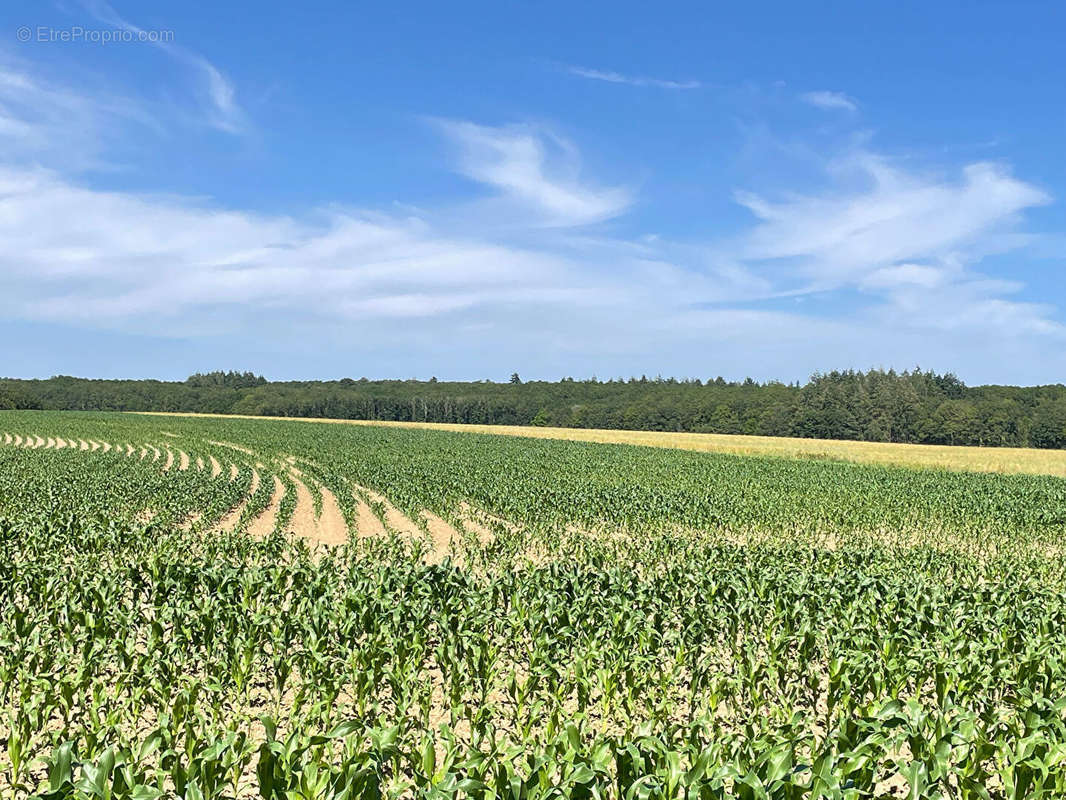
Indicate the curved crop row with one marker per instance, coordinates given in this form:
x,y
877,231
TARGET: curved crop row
x,y
613,622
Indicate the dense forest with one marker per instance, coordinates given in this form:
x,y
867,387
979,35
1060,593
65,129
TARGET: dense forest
x,y
883,406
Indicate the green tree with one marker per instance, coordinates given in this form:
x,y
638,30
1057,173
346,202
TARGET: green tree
x,y
1049,424
725,420
955,422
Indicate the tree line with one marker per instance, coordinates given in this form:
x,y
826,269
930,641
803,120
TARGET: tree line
x,y
879,405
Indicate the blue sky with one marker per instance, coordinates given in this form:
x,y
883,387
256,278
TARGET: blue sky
x,y
338,189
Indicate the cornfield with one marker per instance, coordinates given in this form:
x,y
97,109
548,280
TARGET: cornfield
x,y
504,618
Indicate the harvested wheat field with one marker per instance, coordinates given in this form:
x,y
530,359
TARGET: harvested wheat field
x,y
1011,460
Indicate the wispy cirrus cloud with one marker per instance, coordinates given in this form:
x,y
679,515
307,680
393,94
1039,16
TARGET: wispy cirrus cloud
x,y
897,217
221,109
122,259
541,288
608,76
535,169
41,120
830,101
912,240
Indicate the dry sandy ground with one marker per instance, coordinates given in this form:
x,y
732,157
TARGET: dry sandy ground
x,y
263,525
328,527
978,459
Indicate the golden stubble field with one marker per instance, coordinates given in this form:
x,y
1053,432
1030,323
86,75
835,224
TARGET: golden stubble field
x,y
978,459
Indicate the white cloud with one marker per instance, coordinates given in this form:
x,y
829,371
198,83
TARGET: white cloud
x,y
910,239
629,80
970,306
77,254
538,289
534,170
221,108
167,266
905,275
896,217
40,120
830,101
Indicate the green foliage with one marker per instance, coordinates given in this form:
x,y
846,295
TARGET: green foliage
x,y
1049,429
642,624
918,407
233,379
